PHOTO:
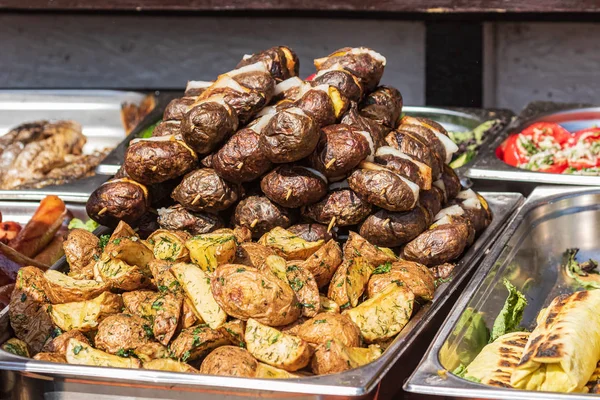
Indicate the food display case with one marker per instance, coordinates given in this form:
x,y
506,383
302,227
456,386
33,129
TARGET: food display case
x,y
530,255
490,171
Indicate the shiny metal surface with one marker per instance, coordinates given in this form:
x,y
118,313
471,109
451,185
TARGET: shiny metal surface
x,y
22,211
357,383
528,253
489,167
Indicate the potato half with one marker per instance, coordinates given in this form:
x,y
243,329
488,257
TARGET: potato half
x,y
170,245
85,315
289,245
210,250
61,288
82,354
166,364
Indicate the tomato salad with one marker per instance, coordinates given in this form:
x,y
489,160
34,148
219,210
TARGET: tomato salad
x,y
548,147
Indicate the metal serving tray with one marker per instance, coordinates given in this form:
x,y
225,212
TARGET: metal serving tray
x,y
528,254
38,379
488,169
98,112
453,119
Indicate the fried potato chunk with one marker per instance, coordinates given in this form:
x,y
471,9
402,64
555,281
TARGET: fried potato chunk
x,y
82,249
327,326
350,281
230,361
120,333
16,347
212,249
170,245
357,246
61,288
417,277
161,310
85,315
288,245
195,342
324,262
166,364
59,343
333,357
82,354
51,357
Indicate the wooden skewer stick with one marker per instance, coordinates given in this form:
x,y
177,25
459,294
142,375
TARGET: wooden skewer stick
x,y
289,193
331,224
253,224
387,221
240,165
196,199
105,209
382,191
330,163
154,168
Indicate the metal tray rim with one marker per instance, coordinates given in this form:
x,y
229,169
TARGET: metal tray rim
x,y
355,382
430,365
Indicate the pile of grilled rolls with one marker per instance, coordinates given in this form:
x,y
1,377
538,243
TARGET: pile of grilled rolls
x,y
259,147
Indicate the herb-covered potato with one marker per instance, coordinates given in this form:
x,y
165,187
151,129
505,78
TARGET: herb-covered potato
x,y
121,275
357,246
85,315
333,357
303,282
16,346
252,254
350,281
234,330
170,245
197,286
288,245
61,288
230,361
196,342
245,292
161,310
50,357
312,232
151,351
82,354
120,333
59,343
82,249
212,249
328,326
166,364
384,315
417,277
329,306
276,348
324,262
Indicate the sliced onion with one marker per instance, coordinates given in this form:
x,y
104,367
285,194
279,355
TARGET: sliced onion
x,y
343,184
288,84
226,81
442,186
317,173
323,88
466,194
472,203
454,211
363,50
296,110
198,85
449,145
256,67
259,124
336,67
424,169
270,110
246,56
168,138
369,139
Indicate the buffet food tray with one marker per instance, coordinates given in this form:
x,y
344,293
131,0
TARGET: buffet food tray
x,y
490,171
98,112
453,119
41,378
528,254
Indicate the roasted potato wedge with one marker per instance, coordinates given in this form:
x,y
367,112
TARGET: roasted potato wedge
x,y
288,245
267,371
417,277
324,262
130,250
166,364
245,292
357,246
161,311
235,331
61,288
170,245
82,249
120,333
121,275
82,354
85,315
328,326
16,346
211,250
197,286
333,357
350,281
151,351
51,357
59,343
277,266
275,347
163,279
195,342
304,284
188,315
230,361
329,306
252,254
384,315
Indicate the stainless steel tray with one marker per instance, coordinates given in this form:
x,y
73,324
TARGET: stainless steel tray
x,y
528,254
98,112
22,211
358,383
490,169
453,119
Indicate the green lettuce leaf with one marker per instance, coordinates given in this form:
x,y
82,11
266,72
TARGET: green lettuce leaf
x,y
511,314
89,225
585,273
148,131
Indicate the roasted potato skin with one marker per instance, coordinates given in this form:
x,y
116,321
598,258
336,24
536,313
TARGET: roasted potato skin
x,y
293,186
359,122
304,284
82,248
451,181
241,159
324,262
244,292
267,215
204,190
152,161
339,150
288,245
178,218
121,200
167,128
208,124
318,105
382,188
61,288
392,229
50,357
59,344
195,342
120,332
440,244
166,364
363,65
327,326
344,81
169,245
329,358
414,146
415,276
404,167
281,62
427,136
383,105
431,201
347,206
357,246
176,109
289,136
312,232
252,254
230,361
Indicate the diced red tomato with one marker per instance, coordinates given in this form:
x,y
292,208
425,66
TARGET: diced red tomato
x,y
311,77
556,168
560,134
512,155
589,135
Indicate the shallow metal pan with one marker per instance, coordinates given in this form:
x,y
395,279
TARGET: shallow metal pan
x,y
357,383
488,170
528,253
98,112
